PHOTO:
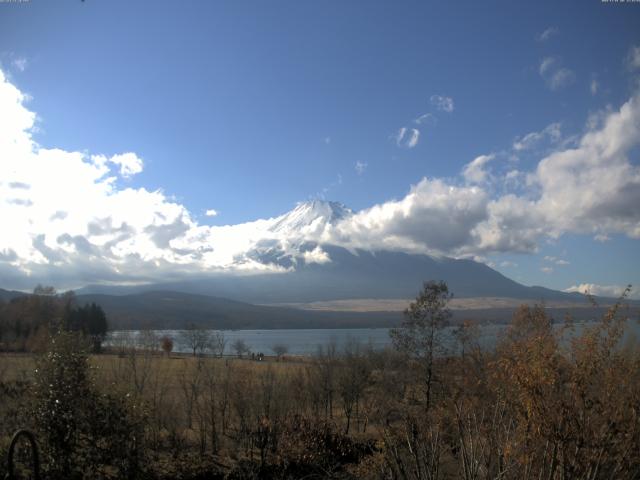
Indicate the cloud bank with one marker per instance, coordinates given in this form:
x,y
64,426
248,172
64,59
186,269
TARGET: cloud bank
x,y
70,218
611,291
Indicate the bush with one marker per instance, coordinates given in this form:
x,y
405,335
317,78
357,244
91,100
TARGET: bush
x,y
83,433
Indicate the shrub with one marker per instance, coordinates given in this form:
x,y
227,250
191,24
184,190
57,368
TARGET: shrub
x,y
83,433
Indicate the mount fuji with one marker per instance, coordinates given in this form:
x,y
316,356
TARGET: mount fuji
x,y
312,269
310,217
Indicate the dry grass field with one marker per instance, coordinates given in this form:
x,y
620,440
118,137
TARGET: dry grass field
x,y
535,404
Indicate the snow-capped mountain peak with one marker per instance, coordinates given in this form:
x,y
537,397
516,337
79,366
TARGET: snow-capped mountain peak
x,y
295,236
310,217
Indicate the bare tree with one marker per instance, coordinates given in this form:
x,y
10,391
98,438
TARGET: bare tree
x,y
324,371
161,403
421,334
196,338
353,378
44,290
240,347
466,335
140,359
208,408
190,381
122,342
217,343
280,349
147,341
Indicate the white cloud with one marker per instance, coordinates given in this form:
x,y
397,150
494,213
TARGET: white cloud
x,y
474,171
556,260
514,179
589,188
508,264
633,58
407,137
129,163
546,64
72,223
554,74
413,139
561,78
613,291
433,217
20,63
547,270
593,187
442,103
317,255
547,34
426,118
513,225
594,86
360,167
327,140
211,213
551,133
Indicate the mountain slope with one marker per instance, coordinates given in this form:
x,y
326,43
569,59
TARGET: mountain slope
x,y
176,310
321,271
360,274
7,295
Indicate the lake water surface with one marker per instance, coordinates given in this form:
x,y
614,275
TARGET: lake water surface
x,y
307,341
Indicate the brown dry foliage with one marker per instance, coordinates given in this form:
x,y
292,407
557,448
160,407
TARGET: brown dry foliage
x,y
550,402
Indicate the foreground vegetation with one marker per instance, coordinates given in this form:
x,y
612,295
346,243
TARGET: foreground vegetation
x,y
538,406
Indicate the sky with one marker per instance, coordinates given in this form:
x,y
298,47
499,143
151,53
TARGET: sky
x,y
147,140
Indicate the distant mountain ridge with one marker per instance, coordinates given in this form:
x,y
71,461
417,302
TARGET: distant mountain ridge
x,y
359,274
322,271
6,295
177,310
318,271
161,309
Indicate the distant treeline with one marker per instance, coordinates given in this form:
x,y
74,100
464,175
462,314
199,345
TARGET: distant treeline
x,y
171,310
27,322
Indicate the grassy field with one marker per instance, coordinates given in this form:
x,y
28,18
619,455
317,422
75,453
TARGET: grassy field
x,y
535,404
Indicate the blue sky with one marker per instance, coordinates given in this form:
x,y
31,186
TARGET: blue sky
x,y
249,107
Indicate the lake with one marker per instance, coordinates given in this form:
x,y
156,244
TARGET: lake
x,y
306,341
